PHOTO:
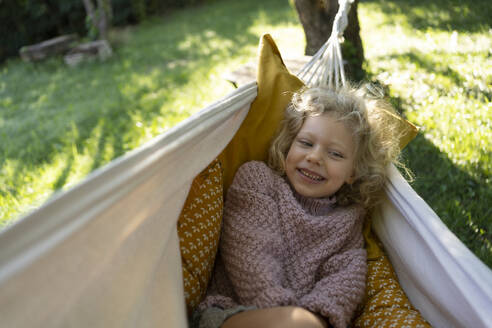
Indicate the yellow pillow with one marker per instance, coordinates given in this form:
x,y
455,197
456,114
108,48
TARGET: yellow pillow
x,y
199,231
275,88
386,304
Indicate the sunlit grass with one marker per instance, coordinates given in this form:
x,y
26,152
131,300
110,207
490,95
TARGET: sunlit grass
x,y
57,124
438,66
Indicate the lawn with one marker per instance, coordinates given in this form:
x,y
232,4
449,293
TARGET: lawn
x,y
436,59
57,123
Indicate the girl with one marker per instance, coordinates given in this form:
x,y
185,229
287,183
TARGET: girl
x,y
291,250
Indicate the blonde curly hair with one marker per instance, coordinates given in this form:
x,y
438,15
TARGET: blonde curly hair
x,y
375,132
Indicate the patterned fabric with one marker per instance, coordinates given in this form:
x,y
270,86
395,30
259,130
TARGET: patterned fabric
x,y
199,230
386,304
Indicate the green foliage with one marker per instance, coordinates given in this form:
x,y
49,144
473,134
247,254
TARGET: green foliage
x,y
353,66
139,9
30,21
99,21
91,28
26,22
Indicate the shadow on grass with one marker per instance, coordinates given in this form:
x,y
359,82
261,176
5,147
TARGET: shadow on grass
x,y
187,37
446,15
62,178
452,193
431,64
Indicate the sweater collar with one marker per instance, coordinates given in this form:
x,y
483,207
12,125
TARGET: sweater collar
x,y
315,206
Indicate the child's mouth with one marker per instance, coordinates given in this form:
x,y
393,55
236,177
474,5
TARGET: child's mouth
x,y
311,175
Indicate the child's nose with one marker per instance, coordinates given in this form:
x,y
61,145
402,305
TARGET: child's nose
x,y
314,156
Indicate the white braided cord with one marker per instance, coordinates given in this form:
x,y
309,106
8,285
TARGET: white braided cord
x,y
326,66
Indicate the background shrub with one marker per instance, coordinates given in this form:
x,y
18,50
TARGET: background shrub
x,y
27,22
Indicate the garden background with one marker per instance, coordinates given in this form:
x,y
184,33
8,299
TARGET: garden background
x,y
59,123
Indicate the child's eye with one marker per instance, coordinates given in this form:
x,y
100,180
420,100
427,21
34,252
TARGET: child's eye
x,y
305,143
336,154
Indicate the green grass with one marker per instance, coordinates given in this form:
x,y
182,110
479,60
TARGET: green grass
x,y
57,123
436,58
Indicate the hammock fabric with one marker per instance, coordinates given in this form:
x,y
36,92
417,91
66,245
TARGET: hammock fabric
x,y
106,252
385,304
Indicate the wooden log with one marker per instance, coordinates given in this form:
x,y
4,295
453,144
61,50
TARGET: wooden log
x,y
99,49
48,48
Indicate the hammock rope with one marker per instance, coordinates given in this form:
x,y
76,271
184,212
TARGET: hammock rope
x,y
326,66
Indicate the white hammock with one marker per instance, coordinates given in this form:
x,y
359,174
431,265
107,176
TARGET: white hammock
x,y
106,252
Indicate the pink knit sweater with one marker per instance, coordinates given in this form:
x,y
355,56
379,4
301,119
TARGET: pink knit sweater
x,y
279,248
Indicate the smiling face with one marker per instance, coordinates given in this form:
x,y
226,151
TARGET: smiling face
x,y
321,157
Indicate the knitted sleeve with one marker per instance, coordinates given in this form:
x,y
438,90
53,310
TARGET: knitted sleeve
x,y
341,285
250,240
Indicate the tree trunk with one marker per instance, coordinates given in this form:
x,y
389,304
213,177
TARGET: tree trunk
x,y
317,18
102,23
99,17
